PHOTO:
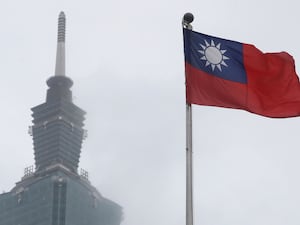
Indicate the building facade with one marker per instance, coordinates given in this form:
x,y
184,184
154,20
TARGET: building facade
x,y
54,193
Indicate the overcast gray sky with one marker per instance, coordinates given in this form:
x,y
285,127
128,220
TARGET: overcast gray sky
x,y
126,60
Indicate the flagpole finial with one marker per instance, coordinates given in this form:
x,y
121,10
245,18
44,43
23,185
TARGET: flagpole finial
x,y
187,19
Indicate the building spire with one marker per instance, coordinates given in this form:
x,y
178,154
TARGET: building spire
x,y
60,69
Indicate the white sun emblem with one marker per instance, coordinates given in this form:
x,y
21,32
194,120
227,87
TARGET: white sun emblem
x,y
213,55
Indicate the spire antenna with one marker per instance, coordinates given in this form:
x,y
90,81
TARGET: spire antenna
x,y
60,69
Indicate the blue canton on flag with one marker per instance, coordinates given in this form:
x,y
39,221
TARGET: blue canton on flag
x,y
216,56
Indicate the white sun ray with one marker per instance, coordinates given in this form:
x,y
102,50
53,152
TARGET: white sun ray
x,y
206,43
202,46
224,63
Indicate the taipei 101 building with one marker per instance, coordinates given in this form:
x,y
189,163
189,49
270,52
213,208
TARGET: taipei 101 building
x,y
55,193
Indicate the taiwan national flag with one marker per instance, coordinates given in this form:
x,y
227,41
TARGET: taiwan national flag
x,y
230,74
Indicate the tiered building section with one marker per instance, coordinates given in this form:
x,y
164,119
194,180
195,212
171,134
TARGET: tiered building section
x,y
58,127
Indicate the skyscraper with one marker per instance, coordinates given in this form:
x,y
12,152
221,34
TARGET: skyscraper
x,y
55,193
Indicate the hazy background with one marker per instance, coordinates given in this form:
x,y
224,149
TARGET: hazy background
x,y
126,61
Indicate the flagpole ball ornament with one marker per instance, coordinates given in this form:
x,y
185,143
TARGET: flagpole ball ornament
x,y
188,18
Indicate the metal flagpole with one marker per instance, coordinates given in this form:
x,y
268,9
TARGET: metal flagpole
x,y
187,19
189,166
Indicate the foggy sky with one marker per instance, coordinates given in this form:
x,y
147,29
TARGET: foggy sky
x,y
126,61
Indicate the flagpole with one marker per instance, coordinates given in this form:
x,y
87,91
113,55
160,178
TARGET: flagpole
x,y
186,23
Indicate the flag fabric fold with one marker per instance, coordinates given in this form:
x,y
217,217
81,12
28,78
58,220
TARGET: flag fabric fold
x,y
230,74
